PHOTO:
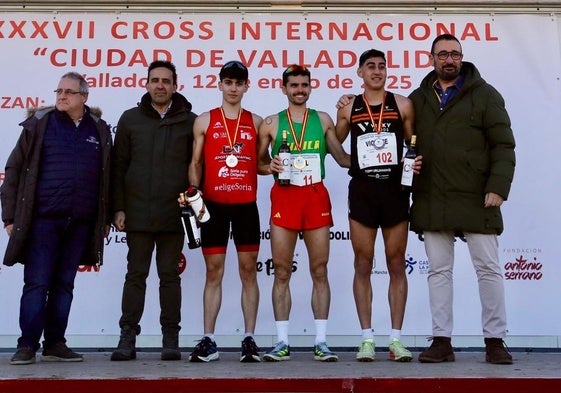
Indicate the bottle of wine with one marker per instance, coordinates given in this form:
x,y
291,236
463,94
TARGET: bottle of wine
x,y
189,221
284,155
408,160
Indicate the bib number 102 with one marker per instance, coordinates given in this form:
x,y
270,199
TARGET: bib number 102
x,y
384,158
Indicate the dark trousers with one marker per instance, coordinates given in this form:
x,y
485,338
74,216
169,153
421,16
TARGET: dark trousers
x,y
52,256
168,252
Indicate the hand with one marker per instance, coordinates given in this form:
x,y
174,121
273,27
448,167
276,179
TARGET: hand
x,y
344,100
275,166
119,220
493,200
9,229
417,165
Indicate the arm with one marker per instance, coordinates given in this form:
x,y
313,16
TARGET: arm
x,y
120,161
500,139
196,166
10,185
266,128
343,125
407,111
333,144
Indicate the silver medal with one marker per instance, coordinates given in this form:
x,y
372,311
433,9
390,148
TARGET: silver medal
x,y
231,161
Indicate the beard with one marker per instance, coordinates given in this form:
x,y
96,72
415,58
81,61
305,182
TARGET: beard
x,y
448,73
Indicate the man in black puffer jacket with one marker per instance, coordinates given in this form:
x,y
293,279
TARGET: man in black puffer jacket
x,y
55,210
153,147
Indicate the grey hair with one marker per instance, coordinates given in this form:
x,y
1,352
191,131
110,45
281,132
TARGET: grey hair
x,y
84,88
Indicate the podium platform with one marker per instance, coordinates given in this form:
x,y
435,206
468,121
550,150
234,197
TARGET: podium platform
x,y
531,372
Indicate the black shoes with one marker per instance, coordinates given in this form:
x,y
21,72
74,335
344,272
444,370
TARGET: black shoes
x,y
250,351
59,352
205,351
23,355
126,349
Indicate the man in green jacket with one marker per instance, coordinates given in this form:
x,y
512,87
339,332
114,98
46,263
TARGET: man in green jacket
x,y
152,151
465,138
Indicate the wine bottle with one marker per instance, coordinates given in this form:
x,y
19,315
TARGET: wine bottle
x,y
408,160
189,221
284,155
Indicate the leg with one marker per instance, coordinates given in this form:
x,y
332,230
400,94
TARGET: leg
x,y
317,244
395,242
283,242
485,257
439,247
250,289
40,260
75,237
139,257
362,240
168,254
212,294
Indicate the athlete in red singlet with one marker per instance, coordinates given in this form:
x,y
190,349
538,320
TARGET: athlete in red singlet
x,y
224,166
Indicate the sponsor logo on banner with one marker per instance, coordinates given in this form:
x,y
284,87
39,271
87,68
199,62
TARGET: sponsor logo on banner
x,y
411,264
523,264
268,267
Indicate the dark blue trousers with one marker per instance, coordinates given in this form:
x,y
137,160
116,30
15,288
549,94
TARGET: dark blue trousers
x,y
52,256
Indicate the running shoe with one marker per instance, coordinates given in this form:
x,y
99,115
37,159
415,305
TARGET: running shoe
x,y
398,352
280,352
250,351
205,351
324,354
366,352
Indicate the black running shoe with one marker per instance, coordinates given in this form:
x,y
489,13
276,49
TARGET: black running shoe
x,y
250,351
205,351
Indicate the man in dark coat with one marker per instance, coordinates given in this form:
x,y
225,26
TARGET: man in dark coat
x,y
153,147
55,211
463,132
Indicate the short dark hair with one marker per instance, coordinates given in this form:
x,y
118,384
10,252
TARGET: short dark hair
x,y
294,70
443,37
369,54
165,64
234,70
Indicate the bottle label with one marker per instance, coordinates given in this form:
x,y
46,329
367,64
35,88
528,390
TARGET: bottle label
x,y
286,166
407,174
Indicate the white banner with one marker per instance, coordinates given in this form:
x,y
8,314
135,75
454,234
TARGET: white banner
x,y
518,54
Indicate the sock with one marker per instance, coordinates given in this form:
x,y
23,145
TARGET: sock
x,y
209,335
321,330
248,334
367,334
282,331
396,333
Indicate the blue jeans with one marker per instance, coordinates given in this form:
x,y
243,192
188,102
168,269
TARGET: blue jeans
x,y
53,251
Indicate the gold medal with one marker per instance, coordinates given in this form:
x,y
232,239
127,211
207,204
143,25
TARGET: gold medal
x,y
231,161
299,162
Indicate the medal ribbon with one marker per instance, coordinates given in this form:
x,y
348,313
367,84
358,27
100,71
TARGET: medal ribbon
x,y
298,143
230,141
379,125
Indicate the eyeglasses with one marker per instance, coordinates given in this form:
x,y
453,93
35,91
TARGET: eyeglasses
x,y
443,55
296,69
234,63
67,92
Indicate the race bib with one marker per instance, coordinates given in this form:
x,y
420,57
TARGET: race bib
x,y
376,149
306,169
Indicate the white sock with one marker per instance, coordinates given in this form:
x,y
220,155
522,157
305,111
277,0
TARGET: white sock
x,y
367,334
209,335
282,331
396,333
321,330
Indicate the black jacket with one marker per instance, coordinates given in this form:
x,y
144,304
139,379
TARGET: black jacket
x,y
150,164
